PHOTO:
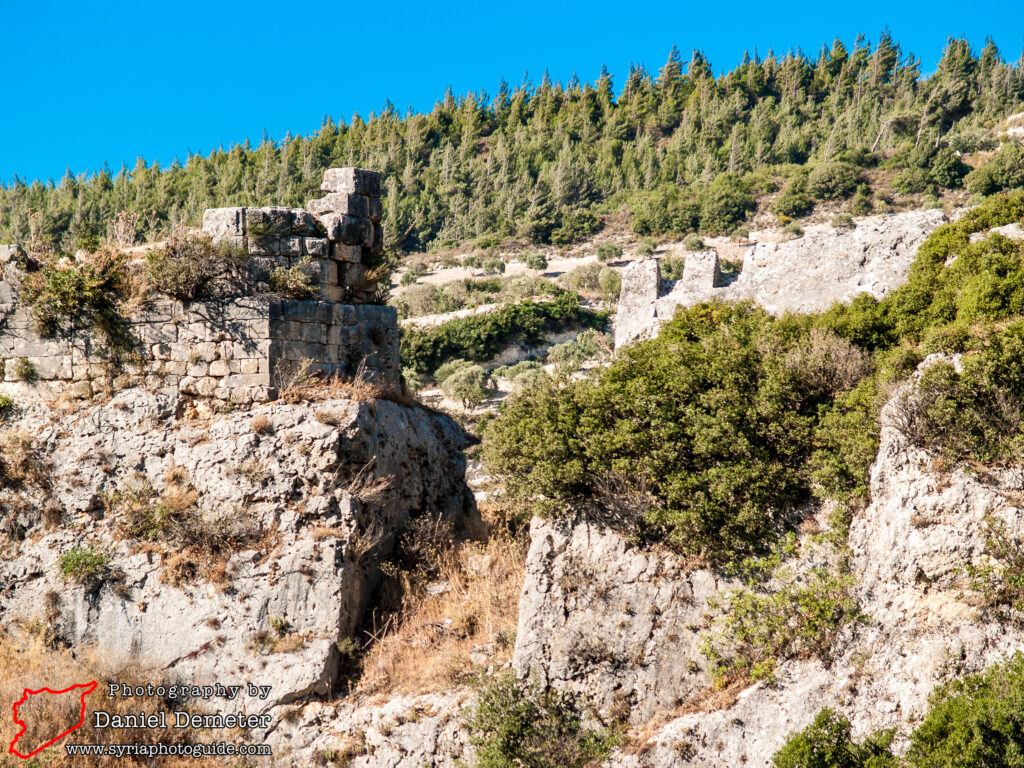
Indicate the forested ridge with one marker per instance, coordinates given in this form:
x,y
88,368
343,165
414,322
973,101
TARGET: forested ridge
x,y
539,161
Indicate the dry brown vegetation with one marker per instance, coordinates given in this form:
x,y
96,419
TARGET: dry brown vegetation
x,y
29,663
426,645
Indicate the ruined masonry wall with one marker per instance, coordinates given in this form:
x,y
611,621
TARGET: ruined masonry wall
x,y
244,348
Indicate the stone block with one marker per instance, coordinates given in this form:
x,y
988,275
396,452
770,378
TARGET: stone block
x,y
317,246
304,223
356,180
269,246
220,368
342,228
352,275
376,209
197,370
334,293
329,272
341,202
291,246
273,221
205,387
249,366
224,222
234,242
350,253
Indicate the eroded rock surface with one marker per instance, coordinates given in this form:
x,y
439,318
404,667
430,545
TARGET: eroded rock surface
x,y
588,588
806,274
316,493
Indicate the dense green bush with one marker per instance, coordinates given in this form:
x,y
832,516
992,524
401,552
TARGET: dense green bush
x,y
827,743
464,381
794,201
6,406
589,345
833,181
294,282
608,251
1004,171
67,296
977,720
725,204
481,337
666,209
610,283
516,726
708,419
81,564
912,180
575,225
521,375
535,260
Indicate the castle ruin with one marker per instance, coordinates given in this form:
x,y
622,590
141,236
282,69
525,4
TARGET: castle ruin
x,y
242,346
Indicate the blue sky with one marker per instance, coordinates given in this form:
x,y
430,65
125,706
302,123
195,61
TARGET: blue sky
x,y
88,83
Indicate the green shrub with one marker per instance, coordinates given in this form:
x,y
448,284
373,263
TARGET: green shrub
x,y
912,180
843,221
82,564
794,202
521,375
717,449
610,283
793,229
1001,580
409,277
583,279
575,225
464,381
666,209
535,260
188,267
646,247
725,204
827,743
833,181
25,370
608,251
693,243
861,204
762,628
472,261
294,282
946,169
516,726
66,296
589,345
6,406
671,268
493,266
1004,171
411,380
481,337
977,720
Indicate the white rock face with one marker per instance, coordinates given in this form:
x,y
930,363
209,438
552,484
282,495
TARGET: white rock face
x,y
316,541
402,732
807,274
909,548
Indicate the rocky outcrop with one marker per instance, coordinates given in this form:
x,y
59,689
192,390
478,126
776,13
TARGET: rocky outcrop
x,y
806,274
402,732
308,499
615,623
588,588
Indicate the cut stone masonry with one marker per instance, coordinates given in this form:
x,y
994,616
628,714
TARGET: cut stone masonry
x,y
241,348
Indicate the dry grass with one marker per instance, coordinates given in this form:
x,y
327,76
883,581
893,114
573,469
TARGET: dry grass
x,y
301,384
30,664
426,646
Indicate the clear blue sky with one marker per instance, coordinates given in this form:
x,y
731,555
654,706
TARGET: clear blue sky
x,y
85,83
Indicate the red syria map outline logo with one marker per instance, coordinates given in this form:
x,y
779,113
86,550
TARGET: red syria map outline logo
x,y
87,688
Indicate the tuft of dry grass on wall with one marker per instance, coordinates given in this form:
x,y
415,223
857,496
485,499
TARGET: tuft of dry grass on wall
x,y
426,646
29,663
301,384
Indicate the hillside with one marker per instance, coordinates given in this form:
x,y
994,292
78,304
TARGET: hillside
x,y
682,427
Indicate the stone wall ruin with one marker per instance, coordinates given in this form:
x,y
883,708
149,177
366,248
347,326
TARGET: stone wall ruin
x,y
245,346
